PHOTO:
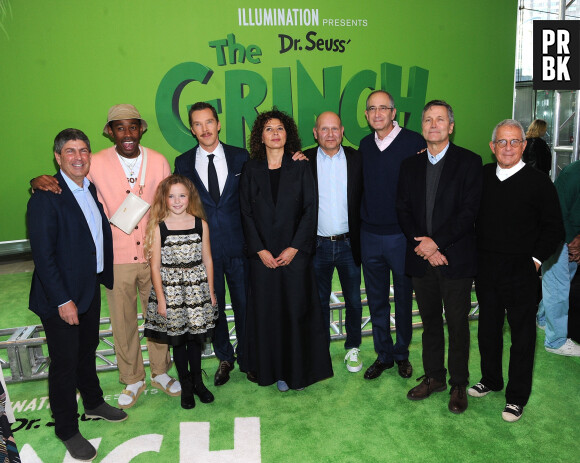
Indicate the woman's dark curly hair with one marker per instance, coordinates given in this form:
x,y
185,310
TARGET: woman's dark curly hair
x,y
258,149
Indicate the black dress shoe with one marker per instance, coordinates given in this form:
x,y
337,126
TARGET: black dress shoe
x,y
252,376
377,368
458,399
405,368
426,388
222,375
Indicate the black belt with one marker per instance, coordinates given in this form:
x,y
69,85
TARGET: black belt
x,y
342,237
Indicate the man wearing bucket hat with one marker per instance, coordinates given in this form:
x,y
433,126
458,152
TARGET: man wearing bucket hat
x,y
116,172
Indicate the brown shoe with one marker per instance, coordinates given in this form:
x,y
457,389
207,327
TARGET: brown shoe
x,y
458,399
426,388
222,375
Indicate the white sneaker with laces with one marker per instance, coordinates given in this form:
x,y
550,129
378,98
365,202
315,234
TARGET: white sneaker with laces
x,y
353,361
569,349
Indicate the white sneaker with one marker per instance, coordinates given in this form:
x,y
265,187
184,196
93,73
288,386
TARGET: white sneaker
x,y
569,348
353,361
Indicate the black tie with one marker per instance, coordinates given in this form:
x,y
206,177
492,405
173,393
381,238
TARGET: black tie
x,y
212,180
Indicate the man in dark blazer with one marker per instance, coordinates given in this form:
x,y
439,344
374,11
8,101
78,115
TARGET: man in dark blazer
x,y
72,249
437,201
337,173
217,183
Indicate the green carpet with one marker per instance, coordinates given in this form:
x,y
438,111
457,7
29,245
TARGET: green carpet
x,y
343,419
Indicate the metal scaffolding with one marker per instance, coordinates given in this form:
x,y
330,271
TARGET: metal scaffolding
x,y
23,356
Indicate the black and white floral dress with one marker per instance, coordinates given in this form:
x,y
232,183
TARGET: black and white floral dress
x,y
190,315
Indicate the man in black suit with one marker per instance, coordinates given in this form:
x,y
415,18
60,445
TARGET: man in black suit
x,y
437,201
215,168
72,249
337,173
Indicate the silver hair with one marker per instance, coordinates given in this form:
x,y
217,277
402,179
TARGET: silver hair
x,y
509,123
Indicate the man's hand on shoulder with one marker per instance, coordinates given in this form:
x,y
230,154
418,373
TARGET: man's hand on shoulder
x,y
46,183
299,156
69,313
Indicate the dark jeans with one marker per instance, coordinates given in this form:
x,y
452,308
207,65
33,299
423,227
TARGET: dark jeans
x,y
382,255
73,366
431,290
337,254
507,283
235,271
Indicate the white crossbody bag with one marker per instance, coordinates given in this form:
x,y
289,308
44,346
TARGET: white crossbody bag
x,y
133,208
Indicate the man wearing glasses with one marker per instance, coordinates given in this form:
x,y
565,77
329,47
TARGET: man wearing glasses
x,y
383,243
519,225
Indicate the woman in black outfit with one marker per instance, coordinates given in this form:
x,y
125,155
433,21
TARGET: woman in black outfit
x,y
286,340
537,152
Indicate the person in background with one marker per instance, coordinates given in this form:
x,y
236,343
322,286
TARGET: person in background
x,y
286,339
537,152
559,270
8,449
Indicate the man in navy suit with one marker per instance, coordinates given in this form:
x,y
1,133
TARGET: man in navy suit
x,y
437,202
337,173
72,249
215,168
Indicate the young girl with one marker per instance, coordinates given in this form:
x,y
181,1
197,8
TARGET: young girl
x,y
182,308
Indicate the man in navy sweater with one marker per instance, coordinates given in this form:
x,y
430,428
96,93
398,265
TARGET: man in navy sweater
x,y
383,243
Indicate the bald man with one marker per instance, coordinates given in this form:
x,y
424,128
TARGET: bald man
x,y
338,175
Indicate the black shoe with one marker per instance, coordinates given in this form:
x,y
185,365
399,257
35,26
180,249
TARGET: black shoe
x,y
252,376
512,412
377,368
199,389
80,448
405,368
222,375
187,397
107,412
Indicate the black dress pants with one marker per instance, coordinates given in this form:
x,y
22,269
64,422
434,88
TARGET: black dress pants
x,y
507,283
73,366
432,291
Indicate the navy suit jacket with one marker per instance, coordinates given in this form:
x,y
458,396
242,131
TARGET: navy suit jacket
x,y
224,220
456,206
354,193
64,254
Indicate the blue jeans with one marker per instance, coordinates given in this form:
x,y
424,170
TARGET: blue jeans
x,y
557,273
337,254
382,255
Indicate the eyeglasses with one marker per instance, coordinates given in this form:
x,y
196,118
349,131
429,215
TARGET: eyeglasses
x,y
513,143
381,109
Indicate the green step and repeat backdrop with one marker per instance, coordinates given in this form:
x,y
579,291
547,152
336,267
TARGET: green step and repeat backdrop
x,y
64,63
